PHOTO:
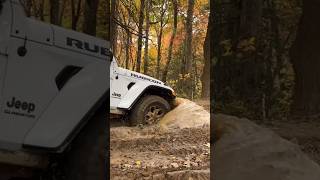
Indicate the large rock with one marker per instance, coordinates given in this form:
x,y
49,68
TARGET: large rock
x,y
246,151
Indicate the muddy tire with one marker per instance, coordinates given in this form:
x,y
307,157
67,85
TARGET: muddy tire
x,y
149,110
86,157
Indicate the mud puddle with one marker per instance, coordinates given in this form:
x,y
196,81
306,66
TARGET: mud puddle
x,y
177,148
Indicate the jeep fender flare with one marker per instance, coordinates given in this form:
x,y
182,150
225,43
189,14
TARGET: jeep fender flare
x,y
137,92
71,109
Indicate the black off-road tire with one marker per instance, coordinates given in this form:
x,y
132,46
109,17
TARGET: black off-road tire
x,y
139,112
87,157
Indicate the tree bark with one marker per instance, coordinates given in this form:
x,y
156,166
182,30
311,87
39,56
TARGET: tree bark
x,y
205,78
238,74
28,8
109,19
128,48
41,10
140,35
61,13
159,42
75,10
305,57
159,36
55,12
90,17
188,41
188,53
250,18
173,35
113,25
146,48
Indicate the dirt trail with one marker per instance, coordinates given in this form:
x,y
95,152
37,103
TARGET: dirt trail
x,y
177,148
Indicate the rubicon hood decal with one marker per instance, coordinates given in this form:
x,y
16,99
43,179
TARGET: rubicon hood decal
x,y
140,76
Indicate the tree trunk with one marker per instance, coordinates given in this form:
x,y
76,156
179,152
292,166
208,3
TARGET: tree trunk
x,y
250,18
238,73
140,36
113,25
28,7
90,17
188,41
55,12
173,35
205,78
159,42
159,37
108,20
75,10
146,47
188,53
41,10
127,48
61,13
305,57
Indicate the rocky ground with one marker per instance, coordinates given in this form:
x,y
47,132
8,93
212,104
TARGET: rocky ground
x,y
177,148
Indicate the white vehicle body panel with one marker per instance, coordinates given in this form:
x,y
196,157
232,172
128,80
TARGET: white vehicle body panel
x,y
34,110
123,98
48,131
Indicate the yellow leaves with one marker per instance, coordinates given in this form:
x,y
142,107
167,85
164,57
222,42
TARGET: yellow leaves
x,y
184,77
202,2
153,52
173,83
137,3
138,164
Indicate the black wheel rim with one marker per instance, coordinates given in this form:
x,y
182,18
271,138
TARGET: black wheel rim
x,y
153,114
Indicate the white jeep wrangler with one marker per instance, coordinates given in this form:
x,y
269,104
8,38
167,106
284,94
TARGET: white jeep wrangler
x,y
143,99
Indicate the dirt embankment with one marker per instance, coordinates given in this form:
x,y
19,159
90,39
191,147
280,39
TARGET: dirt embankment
x,y
244,150
177,148
304,133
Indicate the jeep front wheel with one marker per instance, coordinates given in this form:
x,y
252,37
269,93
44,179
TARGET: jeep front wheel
x,y
149,110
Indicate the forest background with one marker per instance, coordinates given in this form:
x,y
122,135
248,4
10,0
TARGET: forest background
x,y
165,39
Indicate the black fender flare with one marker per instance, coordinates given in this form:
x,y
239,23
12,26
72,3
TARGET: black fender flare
x,y
165,93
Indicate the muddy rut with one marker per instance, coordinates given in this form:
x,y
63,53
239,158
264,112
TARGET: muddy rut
x,y
177,148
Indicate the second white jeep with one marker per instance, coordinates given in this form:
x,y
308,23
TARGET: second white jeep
x,y
141,98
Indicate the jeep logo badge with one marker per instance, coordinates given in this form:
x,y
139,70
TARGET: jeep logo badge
x,y
116,95
24,106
